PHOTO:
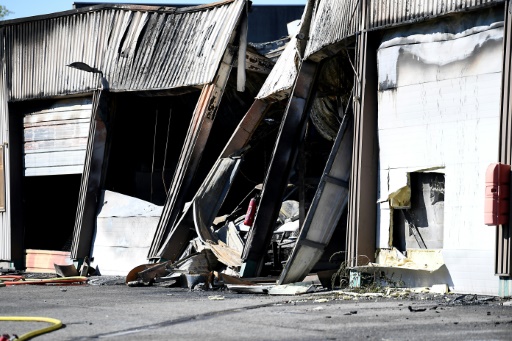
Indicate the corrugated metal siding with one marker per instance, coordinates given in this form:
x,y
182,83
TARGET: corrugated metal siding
x,y
390,12
135,49
5,226
333,21
55,139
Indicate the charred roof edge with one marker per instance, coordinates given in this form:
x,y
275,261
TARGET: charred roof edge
x,y
142,8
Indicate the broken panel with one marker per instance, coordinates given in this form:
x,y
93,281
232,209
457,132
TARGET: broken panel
x,y
422,225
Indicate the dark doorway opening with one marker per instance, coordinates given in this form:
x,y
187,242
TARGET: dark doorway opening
x,y
50,204
147,138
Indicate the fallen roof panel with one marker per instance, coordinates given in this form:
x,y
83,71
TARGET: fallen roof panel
x,y
333,21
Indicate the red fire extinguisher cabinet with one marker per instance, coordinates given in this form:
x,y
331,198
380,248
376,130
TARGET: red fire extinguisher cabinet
x,y
497,194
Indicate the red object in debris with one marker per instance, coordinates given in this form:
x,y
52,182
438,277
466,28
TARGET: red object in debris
x,y
251,212
497,194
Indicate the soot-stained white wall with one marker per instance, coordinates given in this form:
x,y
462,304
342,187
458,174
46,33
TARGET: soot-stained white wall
x,y
439,105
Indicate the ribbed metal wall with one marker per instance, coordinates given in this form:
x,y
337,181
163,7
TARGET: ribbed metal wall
x,y
5,226
136,49
333,21
389,12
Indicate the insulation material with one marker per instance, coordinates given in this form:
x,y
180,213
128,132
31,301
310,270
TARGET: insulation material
x,y
124,230
425,260
439,104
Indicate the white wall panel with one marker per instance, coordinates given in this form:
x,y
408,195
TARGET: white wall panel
x,y
472,271
124,230
439,105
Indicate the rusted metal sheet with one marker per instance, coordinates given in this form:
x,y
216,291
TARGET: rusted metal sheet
x,y
56,138
193,147
503,261
138,48
91,178
329,203
289,138
391,12
333,21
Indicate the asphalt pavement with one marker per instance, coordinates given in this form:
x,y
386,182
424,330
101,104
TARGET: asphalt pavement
x,y
118,312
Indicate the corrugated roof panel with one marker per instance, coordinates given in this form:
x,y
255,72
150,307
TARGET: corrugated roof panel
x,y
333,21
282,77
390,12
137,48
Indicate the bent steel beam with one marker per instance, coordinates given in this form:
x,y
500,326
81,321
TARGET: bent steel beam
x,y
289,139
330,201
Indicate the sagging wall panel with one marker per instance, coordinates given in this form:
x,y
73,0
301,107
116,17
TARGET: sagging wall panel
x,y
439,100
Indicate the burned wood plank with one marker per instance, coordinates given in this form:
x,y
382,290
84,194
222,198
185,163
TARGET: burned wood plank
x,y
289,138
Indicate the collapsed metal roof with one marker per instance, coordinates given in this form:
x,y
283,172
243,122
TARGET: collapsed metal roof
x,y
282,77
138,48
332,22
